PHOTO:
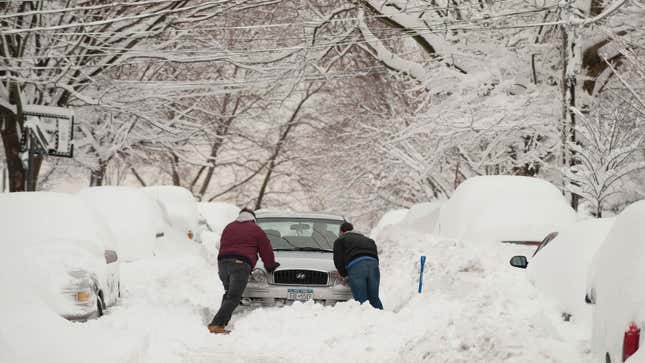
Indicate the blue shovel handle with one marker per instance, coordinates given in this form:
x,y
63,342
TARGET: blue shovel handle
x,y
423,263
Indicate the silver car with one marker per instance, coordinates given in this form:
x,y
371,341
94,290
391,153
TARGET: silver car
x,y
303,245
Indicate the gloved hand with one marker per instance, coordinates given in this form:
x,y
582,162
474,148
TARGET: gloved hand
x,y
275,265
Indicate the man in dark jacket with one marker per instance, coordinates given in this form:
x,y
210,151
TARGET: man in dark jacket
x,y
241,242
356,257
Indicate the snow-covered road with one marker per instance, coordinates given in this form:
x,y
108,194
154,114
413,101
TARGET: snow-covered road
x,y
475,308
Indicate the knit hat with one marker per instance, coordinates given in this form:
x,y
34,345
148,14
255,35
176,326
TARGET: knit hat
x,y
248,210
246,215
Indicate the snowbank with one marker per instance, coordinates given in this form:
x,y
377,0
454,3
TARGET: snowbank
x,y
45,235
504,208
52,234
218,215
390,218
134,217
180,205
560,269
616,280
473,309
422,217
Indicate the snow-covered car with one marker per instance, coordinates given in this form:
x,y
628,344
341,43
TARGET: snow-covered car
x,y
67,251
560,265
181,208
137,221
615,288
303,244
502,208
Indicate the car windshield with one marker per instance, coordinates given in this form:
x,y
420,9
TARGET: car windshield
x,y
300,234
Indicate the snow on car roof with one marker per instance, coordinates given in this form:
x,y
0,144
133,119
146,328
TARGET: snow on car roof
x,y
263,213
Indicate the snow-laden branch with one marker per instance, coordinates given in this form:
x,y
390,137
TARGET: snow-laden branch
x,y
415,25
390,59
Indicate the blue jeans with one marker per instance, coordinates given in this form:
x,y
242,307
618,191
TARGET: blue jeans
x,y
364,278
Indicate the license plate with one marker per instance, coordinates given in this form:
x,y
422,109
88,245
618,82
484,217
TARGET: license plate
x,y
300,294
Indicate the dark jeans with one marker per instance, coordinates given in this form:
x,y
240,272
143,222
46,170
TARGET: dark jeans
x,y
234,275
364,278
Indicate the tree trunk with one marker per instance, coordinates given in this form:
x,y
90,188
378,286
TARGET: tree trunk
x,y
176,180
278,146
97,176
265,182
139,178
568,88
16,171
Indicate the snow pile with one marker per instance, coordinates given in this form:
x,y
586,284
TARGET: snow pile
x,y
615,281
422,217
390,218
570,255
179,204
135,219
504,208
218,215
68,237
35,262
475,308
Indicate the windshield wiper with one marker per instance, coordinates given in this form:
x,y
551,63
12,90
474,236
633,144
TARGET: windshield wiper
x,y
313,249
316,249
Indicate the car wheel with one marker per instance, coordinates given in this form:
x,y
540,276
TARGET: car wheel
x,y
99,305
607,358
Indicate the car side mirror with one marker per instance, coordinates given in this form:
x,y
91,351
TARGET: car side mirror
x,y
590,298
519,261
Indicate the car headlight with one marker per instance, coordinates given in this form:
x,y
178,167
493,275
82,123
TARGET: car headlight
x,y
336,279
258,276
83,296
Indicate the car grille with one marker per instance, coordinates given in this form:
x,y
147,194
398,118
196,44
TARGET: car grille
x,y
300,277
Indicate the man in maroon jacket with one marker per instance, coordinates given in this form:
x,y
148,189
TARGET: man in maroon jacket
x,y
241,242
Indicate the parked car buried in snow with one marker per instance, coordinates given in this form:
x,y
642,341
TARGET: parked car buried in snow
x,y
560,265
303,244
615,289
65,251
502,208
181,208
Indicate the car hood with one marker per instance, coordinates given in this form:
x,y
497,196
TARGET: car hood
x,y
304,260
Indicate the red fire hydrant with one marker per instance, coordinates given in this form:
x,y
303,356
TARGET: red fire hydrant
x,y
631,341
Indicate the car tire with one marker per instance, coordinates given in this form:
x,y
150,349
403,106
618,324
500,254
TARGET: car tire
x,y
607,358
99,305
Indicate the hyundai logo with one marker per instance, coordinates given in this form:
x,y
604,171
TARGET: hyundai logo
x,y
301,275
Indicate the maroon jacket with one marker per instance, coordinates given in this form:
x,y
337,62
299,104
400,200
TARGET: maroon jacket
x,y
244,240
